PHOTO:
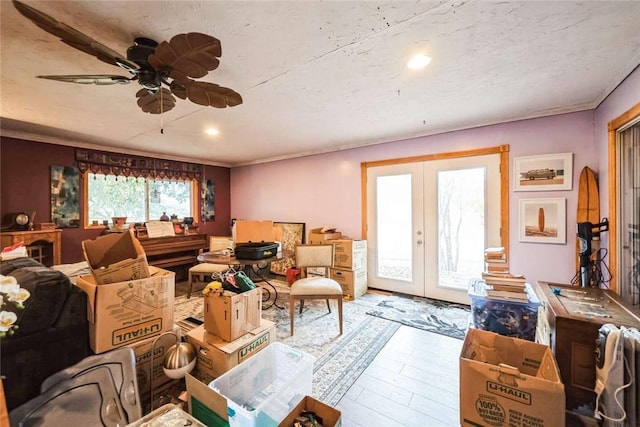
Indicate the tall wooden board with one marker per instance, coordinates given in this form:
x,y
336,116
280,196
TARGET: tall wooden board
x,y
588,203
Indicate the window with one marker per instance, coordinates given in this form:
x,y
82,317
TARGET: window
x,y
138,199
628,199
624,208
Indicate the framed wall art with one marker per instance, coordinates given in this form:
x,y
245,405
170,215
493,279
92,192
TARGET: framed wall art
x,y
65,196
208,201
543,173
543,221
292,233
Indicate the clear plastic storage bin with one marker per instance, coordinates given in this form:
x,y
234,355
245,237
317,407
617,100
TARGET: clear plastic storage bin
x,y
262,390
510,318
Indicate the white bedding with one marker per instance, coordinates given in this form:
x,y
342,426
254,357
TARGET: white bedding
x,y
74,270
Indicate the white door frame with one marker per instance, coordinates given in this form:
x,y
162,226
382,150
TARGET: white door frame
x,y
504,203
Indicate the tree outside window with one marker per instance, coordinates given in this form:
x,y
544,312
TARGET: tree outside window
x,y
138,199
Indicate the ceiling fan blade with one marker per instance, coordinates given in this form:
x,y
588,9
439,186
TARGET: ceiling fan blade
x,y
209,94
75,38
190,55
155,103
97,79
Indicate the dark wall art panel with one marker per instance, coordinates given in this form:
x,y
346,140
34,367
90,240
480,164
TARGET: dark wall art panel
x,y
65,196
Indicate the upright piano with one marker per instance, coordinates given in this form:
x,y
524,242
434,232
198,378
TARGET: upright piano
x,y
173,251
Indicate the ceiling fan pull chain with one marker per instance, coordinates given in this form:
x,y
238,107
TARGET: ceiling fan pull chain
x,y
161,117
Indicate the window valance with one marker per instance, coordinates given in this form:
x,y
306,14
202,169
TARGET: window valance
x,y
137,166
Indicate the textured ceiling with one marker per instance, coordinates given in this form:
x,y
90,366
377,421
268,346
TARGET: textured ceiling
x,y
317,76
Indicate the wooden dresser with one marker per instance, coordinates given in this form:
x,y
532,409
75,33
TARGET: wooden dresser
x,y
52,255
569,322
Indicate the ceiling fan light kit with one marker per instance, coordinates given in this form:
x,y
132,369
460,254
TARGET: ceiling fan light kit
x,y
174,64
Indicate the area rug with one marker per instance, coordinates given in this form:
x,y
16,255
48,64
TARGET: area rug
x,y
431,315
339,359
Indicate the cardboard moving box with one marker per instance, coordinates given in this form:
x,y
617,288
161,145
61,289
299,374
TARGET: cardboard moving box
x,y
116,257
206,405
145,360
350,254
244,231
129,311
230,315
322,238
353,282
508,381
216,356
331,417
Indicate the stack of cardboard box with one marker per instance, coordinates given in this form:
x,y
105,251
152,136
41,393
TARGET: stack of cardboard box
x,y
129,304
233,331
233,328
349,263
350,267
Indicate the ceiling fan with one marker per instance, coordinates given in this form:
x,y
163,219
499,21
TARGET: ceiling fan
x,y
174,64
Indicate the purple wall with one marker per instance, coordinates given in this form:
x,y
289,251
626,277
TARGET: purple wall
x,y
325,189
618,102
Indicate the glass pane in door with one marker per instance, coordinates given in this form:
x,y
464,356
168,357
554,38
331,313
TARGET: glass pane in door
x,y
461,226
393,227
629,199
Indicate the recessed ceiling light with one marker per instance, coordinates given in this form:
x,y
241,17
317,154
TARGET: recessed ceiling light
x,y
212,131
418,62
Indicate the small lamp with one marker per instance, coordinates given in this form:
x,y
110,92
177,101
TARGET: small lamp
x,y
179,360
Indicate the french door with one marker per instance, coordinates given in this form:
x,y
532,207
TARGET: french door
x,y
428,223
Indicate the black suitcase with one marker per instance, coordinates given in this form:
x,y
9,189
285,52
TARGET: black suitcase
x,y
256,250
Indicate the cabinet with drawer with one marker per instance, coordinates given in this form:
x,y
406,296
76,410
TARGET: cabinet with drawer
x,y
569,320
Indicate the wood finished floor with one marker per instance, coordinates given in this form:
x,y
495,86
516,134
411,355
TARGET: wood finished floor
x,y
413,381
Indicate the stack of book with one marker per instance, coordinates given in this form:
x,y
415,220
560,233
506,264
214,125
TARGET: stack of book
x,y
15,251
505,286
500,284
495,260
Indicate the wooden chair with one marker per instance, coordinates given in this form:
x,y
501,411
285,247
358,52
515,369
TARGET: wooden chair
x,y
314,287
203,272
